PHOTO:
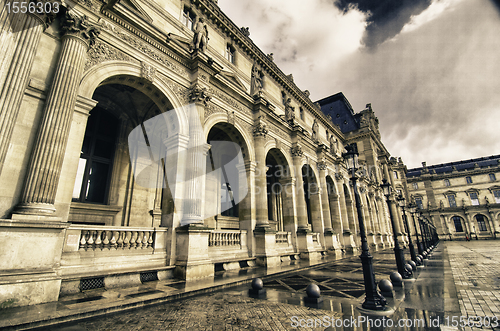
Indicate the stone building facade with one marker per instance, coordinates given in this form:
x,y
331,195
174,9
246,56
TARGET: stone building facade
x,y
462,199
88,96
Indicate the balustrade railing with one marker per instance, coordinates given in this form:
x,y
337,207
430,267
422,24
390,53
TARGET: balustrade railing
x,y
224,238
116,238
282,238
315,238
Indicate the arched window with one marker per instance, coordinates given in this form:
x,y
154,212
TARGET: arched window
x,y
98,149
458,223
481,222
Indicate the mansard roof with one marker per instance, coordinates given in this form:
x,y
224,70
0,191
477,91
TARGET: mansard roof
x,y
339,108
482,162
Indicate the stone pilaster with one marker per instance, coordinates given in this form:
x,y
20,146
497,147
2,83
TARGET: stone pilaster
x,y
347,236
45,165
16,70
299,192
259,134
196,158
325,205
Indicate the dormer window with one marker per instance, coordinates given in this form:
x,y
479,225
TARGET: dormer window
x,y
188,18
230,53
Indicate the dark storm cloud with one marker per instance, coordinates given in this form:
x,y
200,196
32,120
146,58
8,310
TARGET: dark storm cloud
x,y
385,18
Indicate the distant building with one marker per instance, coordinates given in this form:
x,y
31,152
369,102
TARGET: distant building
x,y
461,198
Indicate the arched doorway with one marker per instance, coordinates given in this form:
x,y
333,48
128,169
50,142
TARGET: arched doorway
x,y
226,179
110,187
277,172
312,198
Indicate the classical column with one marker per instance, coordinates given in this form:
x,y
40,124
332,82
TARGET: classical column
x,y
16,70
299,192
347,234
325,205
259,136
196,158
45,165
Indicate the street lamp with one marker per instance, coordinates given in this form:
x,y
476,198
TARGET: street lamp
x,y
373,299
413,209
402,204
398,251
422,231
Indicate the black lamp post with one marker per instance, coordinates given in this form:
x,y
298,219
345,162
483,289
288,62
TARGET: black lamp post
x,y
373,299
402,204
398,251
413,209
422,231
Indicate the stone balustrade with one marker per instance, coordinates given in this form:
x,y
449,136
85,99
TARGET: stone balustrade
x,y
117,238
224,238
315,238
282,238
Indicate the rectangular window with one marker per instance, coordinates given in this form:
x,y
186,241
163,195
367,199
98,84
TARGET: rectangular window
x,y
446,182
415,186
395,175
188,18
419,203
230,52
451,200
468,179
493,177
474,199
497,196
301,113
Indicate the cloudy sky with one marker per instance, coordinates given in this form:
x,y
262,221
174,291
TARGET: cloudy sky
x,y
430,68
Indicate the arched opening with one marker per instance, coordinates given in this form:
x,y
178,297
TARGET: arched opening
x,y
458,222
225,179
333,201
107,175
312,199
482,222
277,171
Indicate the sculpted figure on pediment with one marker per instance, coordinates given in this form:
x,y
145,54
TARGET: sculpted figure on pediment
x,y
200,40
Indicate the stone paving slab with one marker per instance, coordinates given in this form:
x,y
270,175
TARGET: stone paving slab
x,y
216,311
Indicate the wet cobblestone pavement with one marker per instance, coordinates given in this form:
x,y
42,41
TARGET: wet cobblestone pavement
x,y
459,280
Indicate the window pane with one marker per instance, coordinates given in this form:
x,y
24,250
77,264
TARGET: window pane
x,y
79,179
446,182
497,196
458,224
104,148
493,177
418,201
469,180
415,186
97,181
451,200
474,199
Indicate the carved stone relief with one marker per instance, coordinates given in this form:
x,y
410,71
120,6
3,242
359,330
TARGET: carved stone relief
x,y
102,52
144,48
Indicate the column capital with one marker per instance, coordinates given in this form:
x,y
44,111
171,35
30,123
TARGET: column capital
x,y
199,94
322,166
296,151
79,27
